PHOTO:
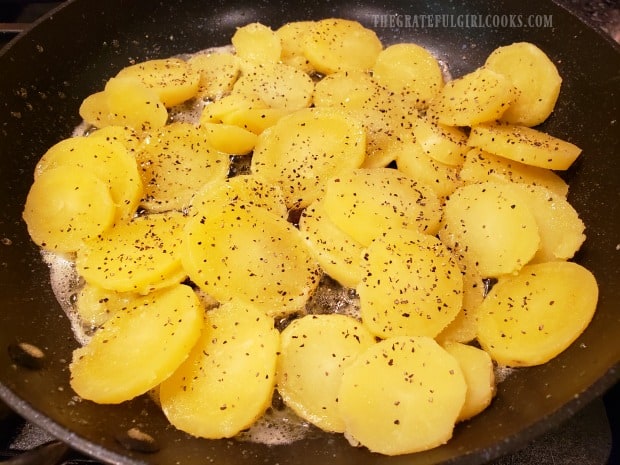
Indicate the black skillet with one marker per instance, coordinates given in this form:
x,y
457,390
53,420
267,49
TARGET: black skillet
x,y
47,72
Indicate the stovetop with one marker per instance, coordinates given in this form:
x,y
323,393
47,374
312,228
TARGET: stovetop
x,y
591,437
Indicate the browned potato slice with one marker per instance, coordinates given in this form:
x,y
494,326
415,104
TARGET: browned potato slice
x,y
530,318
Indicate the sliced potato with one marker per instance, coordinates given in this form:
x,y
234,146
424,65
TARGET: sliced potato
x,y
249,254
229,138
67,205
316,349
411,287
365,202
292,37
532,317
139,256
123,134
339,254
402,395
95,305
218,73
477,368
525,145
445,144
227,382
302,150
172,79
534,75
491,226
335,44
138,347
257,42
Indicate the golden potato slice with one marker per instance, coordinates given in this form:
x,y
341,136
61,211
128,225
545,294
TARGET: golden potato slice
x,y
249,254
445,144
172,79
411,287
402,395
245,189
67,205
95,305
139,347
292,37
218,73
525,145
227,382
530,318
365,202
560,228
477,368
534,75
229,138
410,71
335,44
339,255
316,349
109,160
138,256
477,97
257,42
304,149
176,163
481,166
491,226
123,134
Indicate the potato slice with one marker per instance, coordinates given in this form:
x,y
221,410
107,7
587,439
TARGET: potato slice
x,y
445,144
109,160
176,163
139,347
339,254
481,166
335,44
480,96
534,75
316,349
67,205
525,145
249,254
532,317
479,375
245,189
218,73
95,305
139,256
123,134
172,79
257,42
491,226
410,71
228,379
411,287
365,202
560,228
292,38
402,395
304,149
229,138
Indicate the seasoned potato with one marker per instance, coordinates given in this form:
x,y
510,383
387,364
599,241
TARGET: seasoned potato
x,y
481,166
491,226
339,255
218,73
477,368
530,318
365,202
227,381
480,96
292,38
257,42
138,256
176,163
335,44
67,205
229,138
316,349
525,145
138,347
445,144
410,71
249,254
302,150
402,395
411,286
122,134
96,305
535,77
172,79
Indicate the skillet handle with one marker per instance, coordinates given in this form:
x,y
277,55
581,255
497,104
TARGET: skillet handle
x,y
50,453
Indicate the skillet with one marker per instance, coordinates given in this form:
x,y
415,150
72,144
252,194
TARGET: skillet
x,y
47,72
